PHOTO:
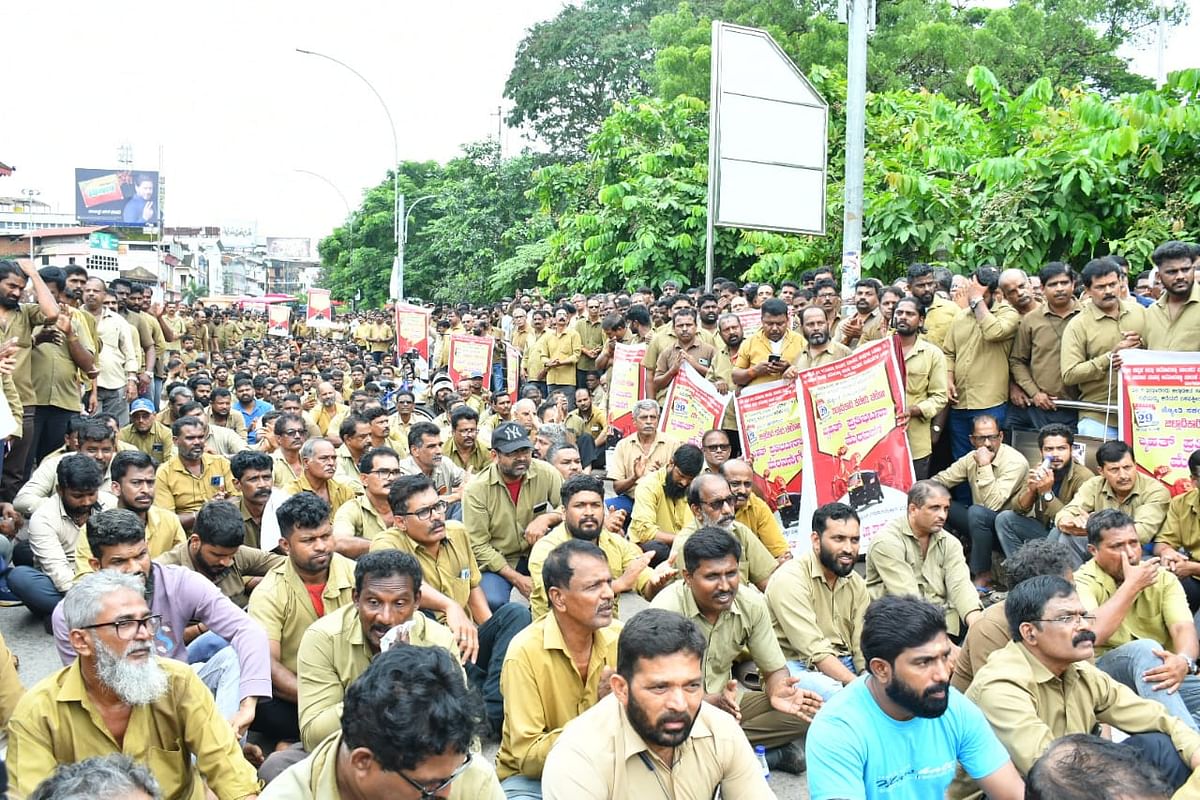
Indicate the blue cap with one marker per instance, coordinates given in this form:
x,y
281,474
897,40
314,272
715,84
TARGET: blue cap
x,y
141,404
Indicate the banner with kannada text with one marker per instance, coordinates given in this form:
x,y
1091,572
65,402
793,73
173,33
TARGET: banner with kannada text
x,y
772,442
1159,413
320,306
470,355
279,317
628,384
751,319
692,406
853,451
412,330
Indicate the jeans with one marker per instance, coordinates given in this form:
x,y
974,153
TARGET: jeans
x,y
496,587
1034,418
1127,663
1097,430
962,422
222,674
204,647
494,637
35,589
519,787
156,385
1158,750
1076,544
978,523
454,512
816,681
1014,530
497,378
112,401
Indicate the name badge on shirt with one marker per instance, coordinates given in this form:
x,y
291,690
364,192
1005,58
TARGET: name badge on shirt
x,y
465,574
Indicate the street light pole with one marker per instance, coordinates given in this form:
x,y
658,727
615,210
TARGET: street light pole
x,y
856,110
397,279
398,290
330,184
30,195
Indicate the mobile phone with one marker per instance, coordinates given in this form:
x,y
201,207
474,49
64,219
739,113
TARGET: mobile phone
x,y
773,358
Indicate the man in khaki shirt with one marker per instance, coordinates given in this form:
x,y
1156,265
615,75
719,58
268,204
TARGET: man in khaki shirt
x,y
925,388
561,349
60,352
1040,686
1120,485
1035,362
591,338
993,471
559,666
977,347
1093,341
660,508
817,602
318,459
752,511
636,456
621,748
820,348
360,521
866,316
191,477
768,355
915,555
1173,322
339,647
736,620
1178,543
688,348
1145,636
463,447
939,312
711,502
506,509
376,753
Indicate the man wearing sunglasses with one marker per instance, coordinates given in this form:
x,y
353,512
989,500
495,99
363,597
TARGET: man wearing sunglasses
x,y
119,689
386,750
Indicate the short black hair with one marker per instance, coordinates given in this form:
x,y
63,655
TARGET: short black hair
x,y
283,419
79,473
185,422
1026,601
709,544
557,570
126,460
1080,766
403,488
1106,519
96,431
367,462
894,624
579,483
988,277
250,460
463,412
1111,452
385,564
835,511
373,413
111,528
688,459
920,492
1038,557
1098,268
1053,269
1171,251
774,308
304,510
349,424
1055,429
654,633
420,430
411,704
219,523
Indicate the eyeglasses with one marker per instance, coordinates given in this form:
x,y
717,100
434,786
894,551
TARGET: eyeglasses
x,y
429,790
127,629
717,447
987,437
425,513
719,503
294,432
1073,620
385,473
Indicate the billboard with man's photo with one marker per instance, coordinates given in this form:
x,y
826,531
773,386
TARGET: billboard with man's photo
x,y
118,197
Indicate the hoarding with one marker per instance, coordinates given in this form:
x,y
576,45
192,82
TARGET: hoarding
x,y
289,249
117,197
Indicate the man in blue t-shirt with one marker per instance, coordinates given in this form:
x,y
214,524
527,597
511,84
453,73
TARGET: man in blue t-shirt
x,y
899,731
251,407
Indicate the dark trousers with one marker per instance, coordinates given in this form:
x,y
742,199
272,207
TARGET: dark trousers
x,y
494,637
1034,418
660,550
50,427
278,720
1157,750
961,423
921,467
976,525
1191,588
14,463
35,589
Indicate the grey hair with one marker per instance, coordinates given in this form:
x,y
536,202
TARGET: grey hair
x,y
554,433
180,391
729,316
85,599
110,777
556,448
646,405
309,448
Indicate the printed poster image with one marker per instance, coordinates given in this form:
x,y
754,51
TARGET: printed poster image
x,y
320,306
628,385
1159,413
854,452
691,407
412,330
768,418
470,355
278,318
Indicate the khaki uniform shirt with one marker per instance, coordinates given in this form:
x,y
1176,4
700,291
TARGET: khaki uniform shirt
x,y
57,376
1182,528
11,690
234,422
453,571
156,443
756,563
176,489
977,355
534,360
594,425
1085,359
446,477
812,621
1146,503
993,486
925,387
986,635
1036,359
495,525
1045,511
479,459
1156,609
565,346
600,756
758,517
282,605
333,653
163,534
938,317
248,562
144,338
1029,707
704,353
895,566
746,626
339,493
833,351
869,323
358,518
543,691
628,451
20,325
57,723
1182,332
758,348
653,512
619,551
591,337
347,469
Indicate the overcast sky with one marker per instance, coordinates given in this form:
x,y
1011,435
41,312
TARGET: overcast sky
x,y
236,110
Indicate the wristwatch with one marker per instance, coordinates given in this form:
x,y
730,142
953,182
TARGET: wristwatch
x,y
974,303
1191,663
1048,496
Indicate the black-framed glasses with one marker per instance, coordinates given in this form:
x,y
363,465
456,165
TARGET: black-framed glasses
x,y
717,447
385,473
295,432
429,790
719,503
127,629
987,437
428,511
1071,619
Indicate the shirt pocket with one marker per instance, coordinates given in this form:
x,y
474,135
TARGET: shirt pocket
x,y
174,770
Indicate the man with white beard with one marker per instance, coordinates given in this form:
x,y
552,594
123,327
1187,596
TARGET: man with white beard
x,y
120,696
712,503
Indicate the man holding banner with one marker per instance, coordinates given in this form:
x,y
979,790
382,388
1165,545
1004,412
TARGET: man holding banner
x,y
687,349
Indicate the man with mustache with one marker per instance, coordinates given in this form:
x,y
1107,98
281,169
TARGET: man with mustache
x,y
191,477
425,458
752,511
146,433
557,667
660,509
925,389
819,347
253,479
817,602
1140,610
1093,341
1039,687
734,622
654,730
360,521
901,730
711,502
117,689
318,461
1035,362
1173,322
339,647
866,306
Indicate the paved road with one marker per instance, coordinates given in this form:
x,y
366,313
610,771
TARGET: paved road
x,y
25,637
